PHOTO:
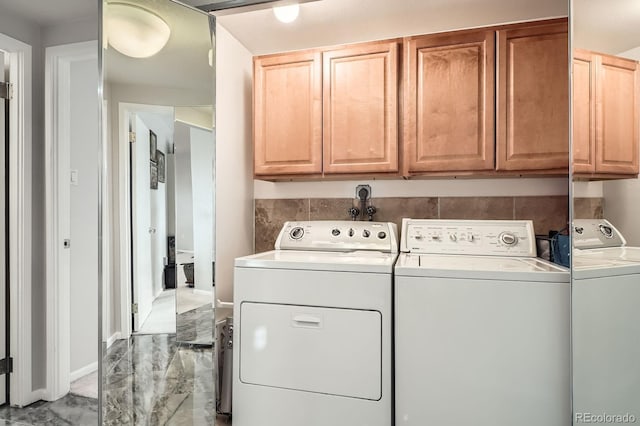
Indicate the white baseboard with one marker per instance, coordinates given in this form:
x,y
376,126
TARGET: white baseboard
x,y
115,336
81,372
34,396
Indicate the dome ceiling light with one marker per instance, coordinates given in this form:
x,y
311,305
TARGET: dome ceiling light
x,y
135,31
287,14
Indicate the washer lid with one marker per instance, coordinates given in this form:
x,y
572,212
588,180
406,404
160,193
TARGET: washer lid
x,y
630,254
606,262
354,261
480,267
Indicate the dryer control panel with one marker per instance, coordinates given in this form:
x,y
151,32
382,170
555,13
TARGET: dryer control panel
x,y
472,237
596,233
338,235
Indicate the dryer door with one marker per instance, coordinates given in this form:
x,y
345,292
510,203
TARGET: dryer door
x,y
314,349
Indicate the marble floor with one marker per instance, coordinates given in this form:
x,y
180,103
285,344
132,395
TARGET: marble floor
x,y
196,326
150,380
69,410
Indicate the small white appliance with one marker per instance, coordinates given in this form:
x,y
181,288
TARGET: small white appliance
x,y
481,327
313,327
606,323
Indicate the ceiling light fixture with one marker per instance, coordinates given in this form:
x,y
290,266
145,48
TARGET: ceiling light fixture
x,y
134,31
288,13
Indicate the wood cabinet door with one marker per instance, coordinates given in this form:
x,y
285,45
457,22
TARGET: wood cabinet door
x,y
584,111
288,114
533,98
449,102
617,116
360,104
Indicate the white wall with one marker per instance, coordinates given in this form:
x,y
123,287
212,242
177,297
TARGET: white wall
x,y
202,160
414,188
84,214
234,158
184,194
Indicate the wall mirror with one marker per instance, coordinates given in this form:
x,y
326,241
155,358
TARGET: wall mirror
x,y
605,261
159,141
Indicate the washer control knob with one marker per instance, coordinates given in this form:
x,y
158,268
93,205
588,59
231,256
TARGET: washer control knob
x,y
351,232
508,239
335,232
382,235
296,233
366,233
607,231
453,237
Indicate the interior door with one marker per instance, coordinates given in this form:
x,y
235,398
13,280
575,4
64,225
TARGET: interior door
x,y
4,191
141,229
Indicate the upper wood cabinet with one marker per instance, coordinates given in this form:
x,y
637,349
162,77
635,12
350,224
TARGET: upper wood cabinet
x,y
533,98
605,114
288,114
584,112
360,104
489,101
449,102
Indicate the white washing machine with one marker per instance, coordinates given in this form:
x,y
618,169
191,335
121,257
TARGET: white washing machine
x,y
481,327
313,325
606,323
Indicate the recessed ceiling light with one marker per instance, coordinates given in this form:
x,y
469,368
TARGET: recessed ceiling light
x,y
288,13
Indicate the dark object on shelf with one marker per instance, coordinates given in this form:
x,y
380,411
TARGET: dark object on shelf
x,y
560,249
171,249
188,273
169,276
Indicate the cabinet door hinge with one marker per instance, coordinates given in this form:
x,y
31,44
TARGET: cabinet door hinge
x,y
6,366
6,90
134,308
132,137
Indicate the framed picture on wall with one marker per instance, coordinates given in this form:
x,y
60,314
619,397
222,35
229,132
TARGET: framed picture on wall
x,y
153,145
154,175
160,163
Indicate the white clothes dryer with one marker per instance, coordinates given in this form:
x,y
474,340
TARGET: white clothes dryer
x,y
606,324
313,325
481,327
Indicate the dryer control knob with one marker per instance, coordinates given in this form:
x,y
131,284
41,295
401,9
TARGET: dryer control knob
x,y
508,239
382,235
366,233
296,233
335,232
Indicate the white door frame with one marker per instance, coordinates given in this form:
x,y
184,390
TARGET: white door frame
x,y
57,131
20,220
125,111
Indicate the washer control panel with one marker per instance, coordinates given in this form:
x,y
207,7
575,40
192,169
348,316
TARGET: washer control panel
x,y
596,233
472,237
331,235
